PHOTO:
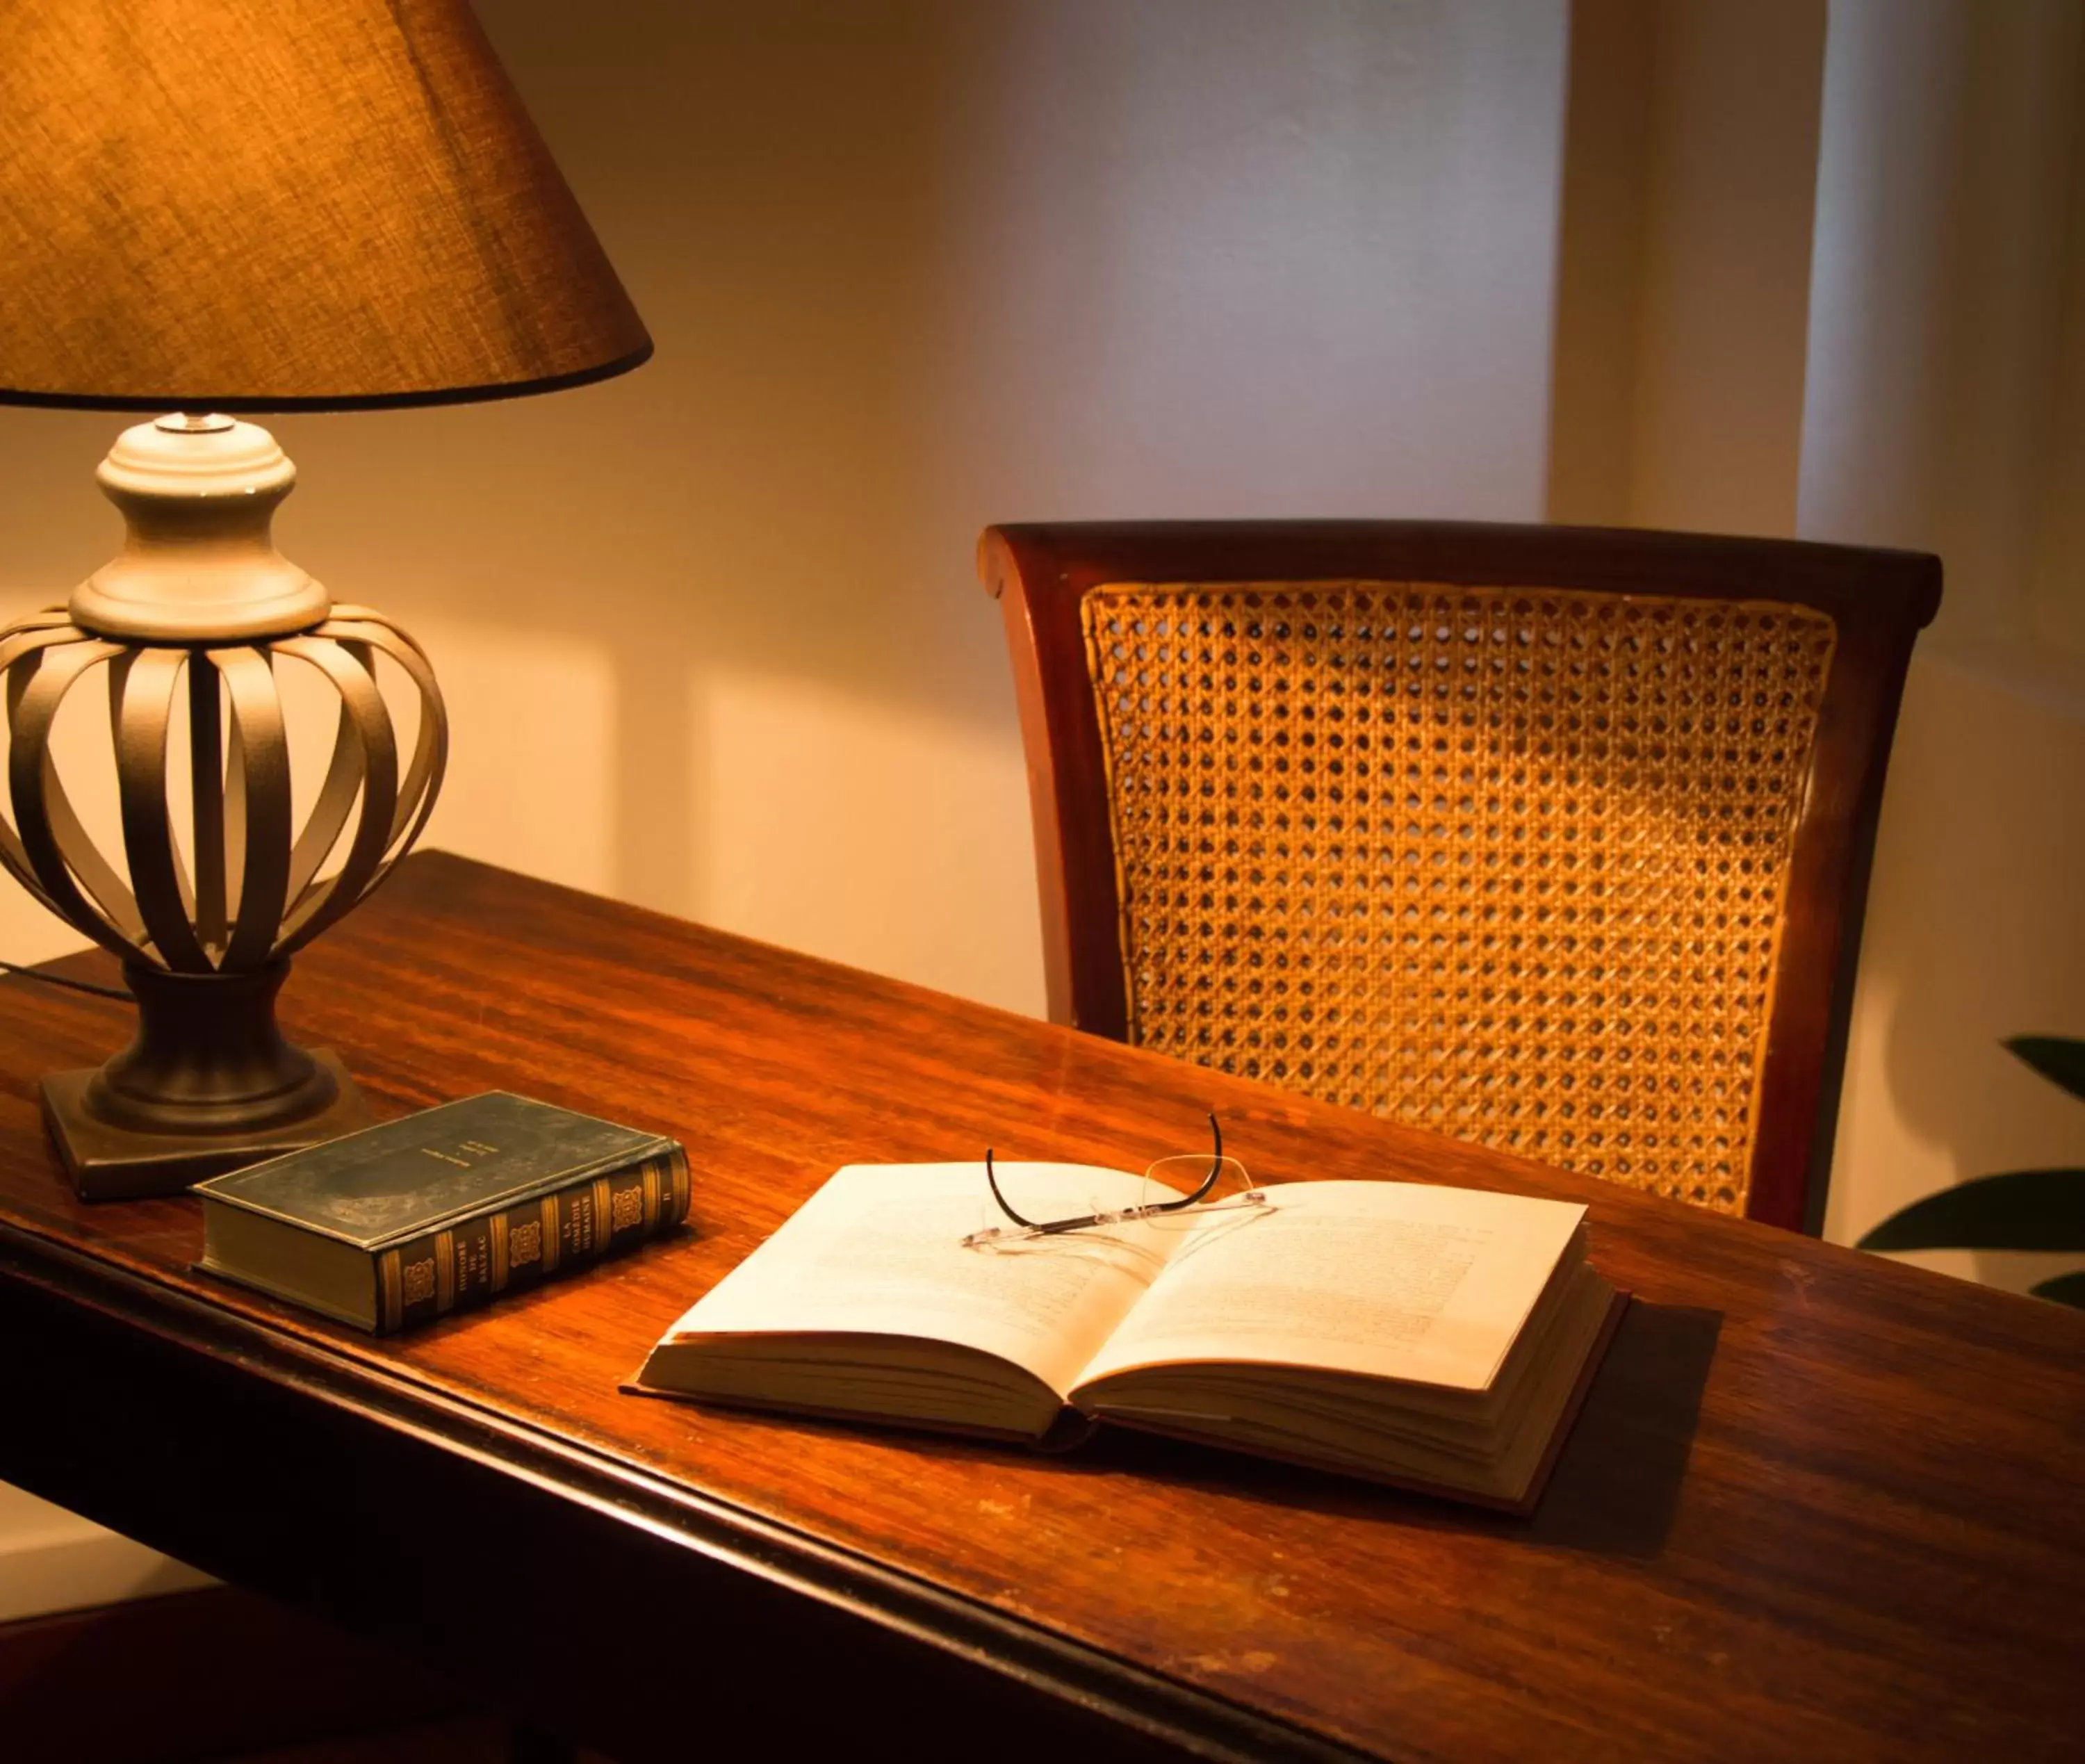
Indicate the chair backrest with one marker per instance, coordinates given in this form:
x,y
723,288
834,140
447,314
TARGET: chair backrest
x,y
1557,839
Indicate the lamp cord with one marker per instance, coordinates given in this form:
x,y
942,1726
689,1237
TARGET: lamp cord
x,y
71,985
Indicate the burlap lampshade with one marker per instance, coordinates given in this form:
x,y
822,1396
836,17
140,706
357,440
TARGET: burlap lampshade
x,y
281,205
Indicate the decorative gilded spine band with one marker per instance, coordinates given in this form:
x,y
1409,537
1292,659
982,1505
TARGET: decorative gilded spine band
x,y
593,1215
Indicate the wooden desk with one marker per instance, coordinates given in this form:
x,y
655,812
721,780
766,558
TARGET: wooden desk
x,y
1818,1505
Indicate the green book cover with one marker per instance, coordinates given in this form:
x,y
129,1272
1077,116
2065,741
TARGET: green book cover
x,y
386,1185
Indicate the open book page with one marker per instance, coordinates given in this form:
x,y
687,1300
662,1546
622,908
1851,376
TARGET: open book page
x,y
1385,1279
879,1251
1362,1425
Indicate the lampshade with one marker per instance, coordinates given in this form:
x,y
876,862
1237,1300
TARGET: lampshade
x,y
282,204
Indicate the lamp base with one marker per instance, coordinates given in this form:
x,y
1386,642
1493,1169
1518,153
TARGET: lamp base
x,y
208,1085
108,1162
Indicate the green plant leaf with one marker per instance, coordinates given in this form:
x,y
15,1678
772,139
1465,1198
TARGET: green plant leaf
x,y
2041,1210
2064,1289
2061,1058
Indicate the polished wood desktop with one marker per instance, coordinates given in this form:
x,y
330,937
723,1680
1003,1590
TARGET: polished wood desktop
x,y
1818,1504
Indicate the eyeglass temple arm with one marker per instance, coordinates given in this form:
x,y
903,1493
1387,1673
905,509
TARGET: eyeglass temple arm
x,y
1209,1181
1216,1164
1006,1205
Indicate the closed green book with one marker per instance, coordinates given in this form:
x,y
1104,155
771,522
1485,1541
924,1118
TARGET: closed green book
x,y
399,1224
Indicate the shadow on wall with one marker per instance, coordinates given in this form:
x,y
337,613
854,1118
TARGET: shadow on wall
x,y
751,500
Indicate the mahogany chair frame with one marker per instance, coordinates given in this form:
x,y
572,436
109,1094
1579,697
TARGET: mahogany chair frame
x,y
1879,599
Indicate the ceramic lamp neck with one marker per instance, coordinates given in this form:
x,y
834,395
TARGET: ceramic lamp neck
x,y
198,494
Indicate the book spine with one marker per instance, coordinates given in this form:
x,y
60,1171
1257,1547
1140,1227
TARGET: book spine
x,y
473,1260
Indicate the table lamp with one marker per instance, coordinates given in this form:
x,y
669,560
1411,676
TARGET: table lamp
x,y
211,207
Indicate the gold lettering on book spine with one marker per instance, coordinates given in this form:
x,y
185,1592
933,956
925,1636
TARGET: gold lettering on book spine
x,y
552,1248
444,1272
390,1303
498,1224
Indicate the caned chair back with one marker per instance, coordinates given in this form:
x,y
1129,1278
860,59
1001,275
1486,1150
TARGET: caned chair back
x,y
1554,839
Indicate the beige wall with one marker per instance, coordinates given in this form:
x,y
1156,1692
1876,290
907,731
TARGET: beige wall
x,y
1943,405
1973,934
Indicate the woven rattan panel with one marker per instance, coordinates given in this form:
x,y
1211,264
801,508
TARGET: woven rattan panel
x,y
1506,863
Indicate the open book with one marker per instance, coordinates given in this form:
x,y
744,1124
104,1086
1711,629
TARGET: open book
x,y
1438,1338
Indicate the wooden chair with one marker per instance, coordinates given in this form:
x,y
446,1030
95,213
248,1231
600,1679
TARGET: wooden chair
x,y
1556,839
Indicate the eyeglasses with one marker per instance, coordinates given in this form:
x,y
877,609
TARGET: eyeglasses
x,y
1155,1177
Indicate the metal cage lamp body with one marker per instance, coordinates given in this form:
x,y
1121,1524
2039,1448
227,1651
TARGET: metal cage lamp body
x,y
205,937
